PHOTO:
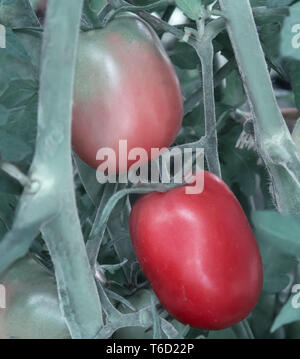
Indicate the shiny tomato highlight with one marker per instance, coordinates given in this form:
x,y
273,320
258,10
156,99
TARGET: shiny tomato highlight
x,y
199,254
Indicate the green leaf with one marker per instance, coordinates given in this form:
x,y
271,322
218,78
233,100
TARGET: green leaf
x,y
19,74
238,165
88,177
288,314
279,3
17,14
97,5
276,264
184,56
3,115
265,16
19,93
234,94
7,207
256,3
222,334
293,330
157,330
192,8
112,268
283,231
207,2
262,316
118,222
12,148
18,60
34,3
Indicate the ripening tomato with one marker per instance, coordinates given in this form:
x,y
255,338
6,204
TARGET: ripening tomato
x,y
125,89
199,254
32,307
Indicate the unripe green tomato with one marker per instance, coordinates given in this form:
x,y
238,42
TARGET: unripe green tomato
x,y
32,306
139,300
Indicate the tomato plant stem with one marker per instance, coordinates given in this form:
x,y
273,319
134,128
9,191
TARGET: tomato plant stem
x,y
15,173
206,54
274,141
196,98
52,207
142,318
76,285
99,227
114,7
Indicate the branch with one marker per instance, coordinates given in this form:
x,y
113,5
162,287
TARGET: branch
x,y
205,51
196,98
104,212
274,141
52,208
63,236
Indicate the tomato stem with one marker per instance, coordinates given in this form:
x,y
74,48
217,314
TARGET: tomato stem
x,y
206,55
103,214
115,7
274,141
15,173
52,209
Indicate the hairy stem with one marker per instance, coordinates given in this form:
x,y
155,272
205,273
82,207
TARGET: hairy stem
x,y
206,54
48,202
77,288
274,141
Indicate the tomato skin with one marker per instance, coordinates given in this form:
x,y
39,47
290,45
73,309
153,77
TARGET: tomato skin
x,y
125,89
32,307
199,254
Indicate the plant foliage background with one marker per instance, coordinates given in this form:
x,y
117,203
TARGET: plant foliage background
x,y
242,168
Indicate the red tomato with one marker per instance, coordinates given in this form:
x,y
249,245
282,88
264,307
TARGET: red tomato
x,y
199,254
125,89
